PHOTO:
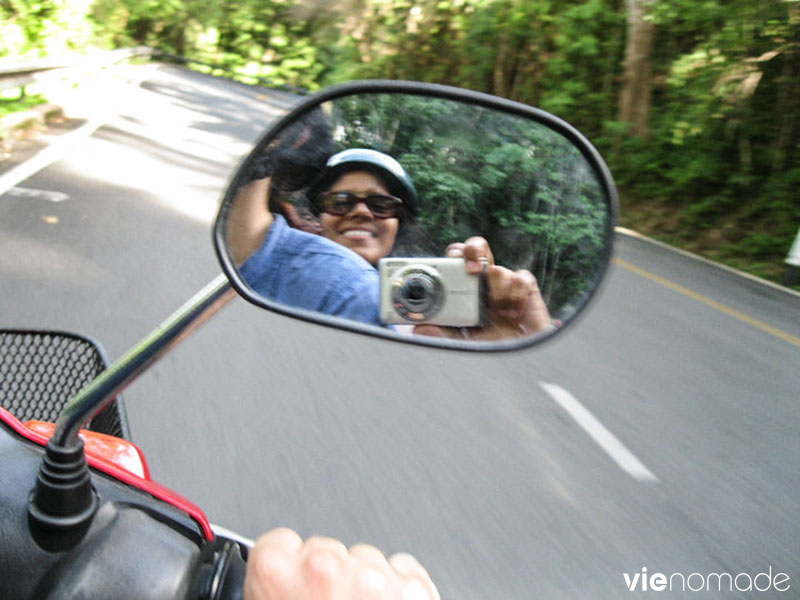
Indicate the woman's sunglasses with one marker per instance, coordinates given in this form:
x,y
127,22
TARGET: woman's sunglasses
x,y
341,203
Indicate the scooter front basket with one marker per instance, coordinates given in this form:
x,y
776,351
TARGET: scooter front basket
x,y
41,370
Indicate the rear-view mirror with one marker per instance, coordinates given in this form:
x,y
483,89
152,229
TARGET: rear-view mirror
x,y
421,213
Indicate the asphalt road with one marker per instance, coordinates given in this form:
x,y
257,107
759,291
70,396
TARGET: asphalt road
x,y
659,432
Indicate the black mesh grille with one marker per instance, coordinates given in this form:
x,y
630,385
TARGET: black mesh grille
x,y
41,370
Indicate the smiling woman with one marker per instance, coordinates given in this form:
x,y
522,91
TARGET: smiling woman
x,y
354,223
361,199
420,174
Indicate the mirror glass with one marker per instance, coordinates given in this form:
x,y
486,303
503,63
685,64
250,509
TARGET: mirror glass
x,y
494,222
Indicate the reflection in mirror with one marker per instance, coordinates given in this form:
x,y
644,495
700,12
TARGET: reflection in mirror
x,y
423,215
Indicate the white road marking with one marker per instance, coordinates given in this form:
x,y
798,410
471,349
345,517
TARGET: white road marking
x,y
58,148
604,438
40,194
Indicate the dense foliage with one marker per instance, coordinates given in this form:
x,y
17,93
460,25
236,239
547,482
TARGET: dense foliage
x,y
713,163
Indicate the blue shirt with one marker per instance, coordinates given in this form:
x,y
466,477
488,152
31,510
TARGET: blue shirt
x,y
309,271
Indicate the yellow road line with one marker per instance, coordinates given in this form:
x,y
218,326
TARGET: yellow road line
x,y
786,337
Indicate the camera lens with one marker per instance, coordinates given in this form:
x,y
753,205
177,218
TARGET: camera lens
x,y
418,293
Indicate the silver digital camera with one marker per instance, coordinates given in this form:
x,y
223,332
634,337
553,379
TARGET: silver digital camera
x,y
434,291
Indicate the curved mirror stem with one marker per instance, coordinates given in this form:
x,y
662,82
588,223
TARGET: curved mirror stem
x,y
91,399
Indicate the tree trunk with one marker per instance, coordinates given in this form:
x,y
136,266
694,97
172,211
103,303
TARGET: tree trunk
x,y
501,80
786,111
634,101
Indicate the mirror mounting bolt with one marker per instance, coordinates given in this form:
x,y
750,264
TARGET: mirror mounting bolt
x,y
63,500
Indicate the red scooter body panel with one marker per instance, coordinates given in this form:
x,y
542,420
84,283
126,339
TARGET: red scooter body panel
x,y
121,453
103,455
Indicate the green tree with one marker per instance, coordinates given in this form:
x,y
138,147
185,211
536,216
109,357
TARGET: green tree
x,y
39,28
724,131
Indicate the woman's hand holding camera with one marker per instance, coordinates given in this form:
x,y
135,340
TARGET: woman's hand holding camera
x,y
515,305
